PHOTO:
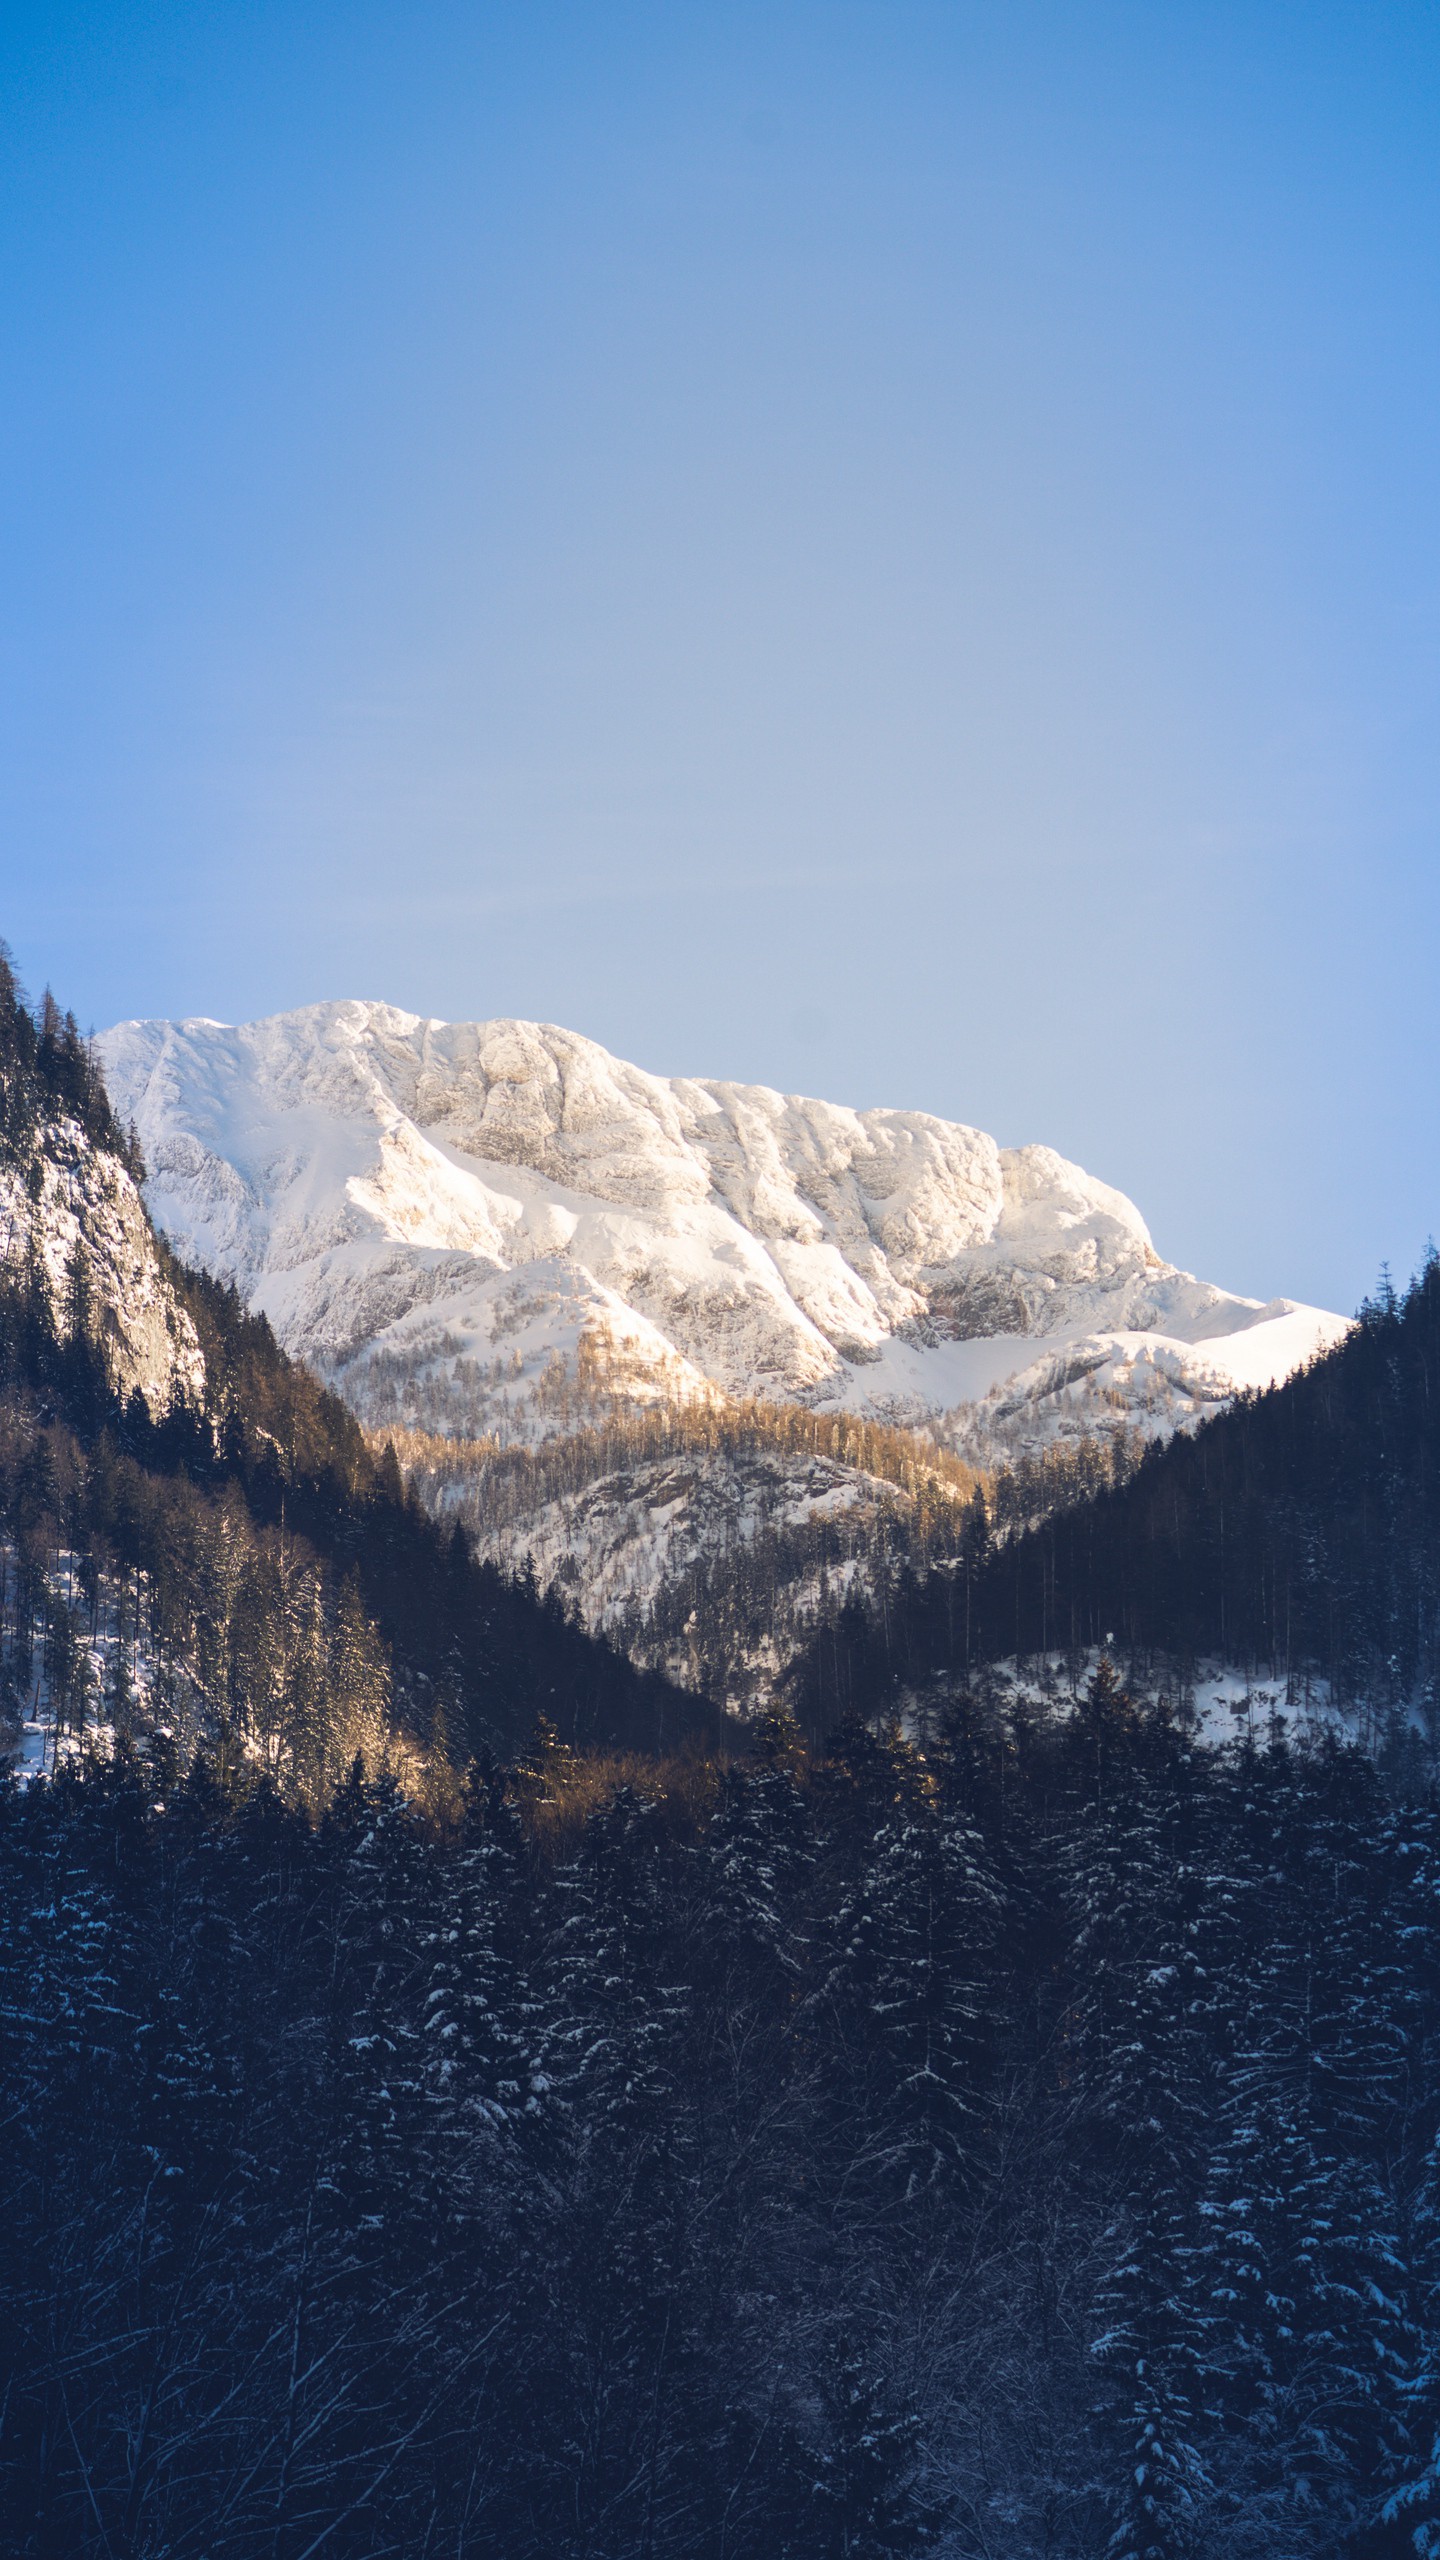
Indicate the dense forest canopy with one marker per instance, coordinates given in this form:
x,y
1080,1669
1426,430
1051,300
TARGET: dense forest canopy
x,y
1024,2150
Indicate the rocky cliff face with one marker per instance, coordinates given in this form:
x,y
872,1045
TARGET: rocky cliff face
x,y
450,1215
73,1214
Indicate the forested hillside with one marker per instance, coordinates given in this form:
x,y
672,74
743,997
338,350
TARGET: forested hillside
x,y
1296,1536
217,1548
707,1540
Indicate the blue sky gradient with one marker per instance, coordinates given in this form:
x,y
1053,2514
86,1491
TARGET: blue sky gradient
x,y
888,549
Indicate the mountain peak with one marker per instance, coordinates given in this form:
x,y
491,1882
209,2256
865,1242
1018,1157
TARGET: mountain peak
x,y
477,1198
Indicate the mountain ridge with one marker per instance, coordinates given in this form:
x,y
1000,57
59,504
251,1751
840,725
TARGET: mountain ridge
x,y
390,1187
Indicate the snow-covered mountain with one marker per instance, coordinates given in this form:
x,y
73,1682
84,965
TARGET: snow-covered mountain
x,y
453,1219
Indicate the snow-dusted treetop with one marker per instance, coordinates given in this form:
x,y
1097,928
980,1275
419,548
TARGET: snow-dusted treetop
x,y
471,1201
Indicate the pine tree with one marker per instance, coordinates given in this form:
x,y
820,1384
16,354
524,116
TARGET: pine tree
x,y
482,2027
382,1920
1301,2267
909,1999
1138,2053
615,2278
865,2504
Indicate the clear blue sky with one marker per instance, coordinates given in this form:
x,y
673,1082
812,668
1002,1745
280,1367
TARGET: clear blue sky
x,y
892,549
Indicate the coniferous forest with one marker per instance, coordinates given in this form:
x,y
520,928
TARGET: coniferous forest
x,y
1026,2149
1296,1535
463,2095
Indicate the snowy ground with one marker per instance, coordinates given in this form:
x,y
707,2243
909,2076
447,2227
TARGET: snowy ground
x,y
1227,1704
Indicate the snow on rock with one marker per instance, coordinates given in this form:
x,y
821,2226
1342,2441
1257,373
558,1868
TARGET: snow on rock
x,y
77,1212
655,1552
452,1214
